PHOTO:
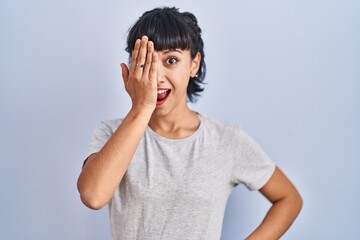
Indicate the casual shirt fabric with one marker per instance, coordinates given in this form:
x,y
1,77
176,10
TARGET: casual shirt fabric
x,y
178,188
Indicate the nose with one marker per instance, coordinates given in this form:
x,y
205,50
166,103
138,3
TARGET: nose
x,y
160,75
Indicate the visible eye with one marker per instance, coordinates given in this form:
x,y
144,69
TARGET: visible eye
x,y
171,61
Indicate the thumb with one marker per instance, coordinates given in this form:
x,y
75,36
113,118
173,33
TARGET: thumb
x,y
124,72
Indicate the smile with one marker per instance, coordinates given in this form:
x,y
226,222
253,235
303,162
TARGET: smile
x,y
162,95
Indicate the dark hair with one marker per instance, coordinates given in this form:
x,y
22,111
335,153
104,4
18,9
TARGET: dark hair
x,y
170,29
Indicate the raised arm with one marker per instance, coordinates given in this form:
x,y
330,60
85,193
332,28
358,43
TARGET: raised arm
x,y
103,171
286,205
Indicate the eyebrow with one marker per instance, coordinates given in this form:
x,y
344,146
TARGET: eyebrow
x,y
172,50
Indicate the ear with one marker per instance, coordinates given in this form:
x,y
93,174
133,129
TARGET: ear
x,y
195,63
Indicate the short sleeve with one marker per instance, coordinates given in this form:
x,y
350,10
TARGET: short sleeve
x,y
252,167
100,136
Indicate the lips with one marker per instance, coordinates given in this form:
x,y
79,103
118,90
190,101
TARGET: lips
x,y
162,95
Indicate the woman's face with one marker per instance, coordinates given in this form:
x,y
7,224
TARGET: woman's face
x,y
175,67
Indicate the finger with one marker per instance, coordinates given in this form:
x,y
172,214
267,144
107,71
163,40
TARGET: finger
x,y
141,57
134,56
153,69
150,51
124,72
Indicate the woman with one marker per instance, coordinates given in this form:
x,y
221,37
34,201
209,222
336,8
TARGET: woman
x,y
166,171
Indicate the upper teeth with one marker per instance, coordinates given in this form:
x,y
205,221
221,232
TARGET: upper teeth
x,y
161,91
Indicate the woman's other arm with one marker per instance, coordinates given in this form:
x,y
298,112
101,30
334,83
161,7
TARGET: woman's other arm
x,y
286,205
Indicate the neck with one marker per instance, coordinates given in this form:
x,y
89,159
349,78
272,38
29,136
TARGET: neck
x,y
175,125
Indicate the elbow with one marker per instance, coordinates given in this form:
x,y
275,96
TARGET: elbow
x,y
300,202
293,203
296,203
94,205
92,202
90,198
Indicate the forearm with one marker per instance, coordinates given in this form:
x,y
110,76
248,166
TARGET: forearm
x,y
278,219
104,170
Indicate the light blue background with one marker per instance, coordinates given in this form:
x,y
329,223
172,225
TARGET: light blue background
x,y
287,71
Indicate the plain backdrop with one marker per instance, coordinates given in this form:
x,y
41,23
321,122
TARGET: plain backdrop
x,y
286,71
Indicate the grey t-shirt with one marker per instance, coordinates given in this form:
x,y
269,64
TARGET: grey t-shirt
x,y
178,188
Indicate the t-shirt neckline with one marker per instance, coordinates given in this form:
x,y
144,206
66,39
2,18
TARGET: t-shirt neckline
x,y
173,140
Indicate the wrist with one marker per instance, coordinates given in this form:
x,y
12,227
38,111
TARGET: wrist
x,y
145,110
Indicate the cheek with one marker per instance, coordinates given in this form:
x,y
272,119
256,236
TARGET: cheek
x,y
184,72
183,80
181,76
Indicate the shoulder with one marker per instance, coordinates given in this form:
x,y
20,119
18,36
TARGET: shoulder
x,y
220,127
228,130
109,126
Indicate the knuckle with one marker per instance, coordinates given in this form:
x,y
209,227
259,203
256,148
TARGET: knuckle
x,y
140,59
135,78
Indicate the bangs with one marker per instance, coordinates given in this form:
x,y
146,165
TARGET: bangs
x,y
166,32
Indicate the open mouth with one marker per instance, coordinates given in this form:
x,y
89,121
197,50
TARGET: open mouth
x,y
162,95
